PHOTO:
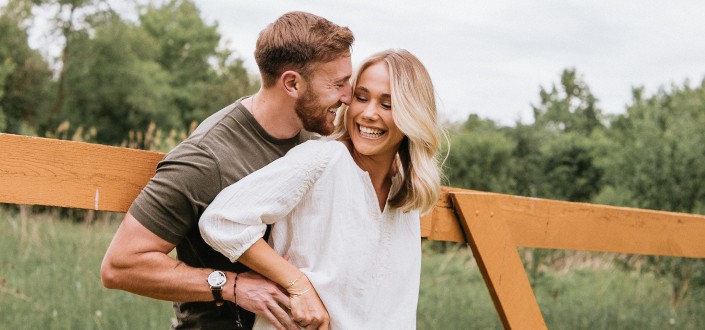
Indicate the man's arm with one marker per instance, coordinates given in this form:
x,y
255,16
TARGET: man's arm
x,y
137,261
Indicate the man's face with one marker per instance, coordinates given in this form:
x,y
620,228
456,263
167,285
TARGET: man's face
x,y
327,89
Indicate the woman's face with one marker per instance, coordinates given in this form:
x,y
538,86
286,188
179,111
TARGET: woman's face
x,y
370,121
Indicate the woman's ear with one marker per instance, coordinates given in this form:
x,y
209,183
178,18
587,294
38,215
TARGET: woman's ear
x,y
292,83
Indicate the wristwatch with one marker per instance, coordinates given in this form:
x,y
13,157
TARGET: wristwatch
x,y
217,280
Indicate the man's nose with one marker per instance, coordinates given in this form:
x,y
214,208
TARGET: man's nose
x,y
346,96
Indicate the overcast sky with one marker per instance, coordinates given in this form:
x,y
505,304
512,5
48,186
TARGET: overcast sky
x,y
490,57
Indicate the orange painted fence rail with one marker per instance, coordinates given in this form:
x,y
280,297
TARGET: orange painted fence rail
x,y
50,172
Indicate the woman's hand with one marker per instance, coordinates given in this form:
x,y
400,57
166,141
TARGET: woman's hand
x,y
307,308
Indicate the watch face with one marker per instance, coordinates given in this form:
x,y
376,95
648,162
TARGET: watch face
x,y
217,279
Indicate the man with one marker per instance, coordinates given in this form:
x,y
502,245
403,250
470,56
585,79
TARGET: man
x,y
304,61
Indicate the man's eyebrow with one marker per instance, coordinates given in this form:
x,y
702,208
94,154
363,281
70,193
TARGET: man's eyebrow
x,y
344,78
338,81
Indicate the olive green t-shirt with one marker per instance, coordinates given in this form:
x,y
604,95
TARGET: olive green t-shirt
x,y
226,147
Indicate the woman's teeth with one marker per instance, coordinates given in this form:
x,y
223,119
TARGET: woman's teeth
x,y
371,131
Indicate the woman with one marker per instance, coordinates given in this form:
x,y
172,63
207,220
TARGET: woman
x,y
345,209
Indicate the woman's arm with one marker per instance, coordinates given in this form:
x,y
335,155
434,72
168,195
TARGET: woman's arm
x,y
306,306
238,215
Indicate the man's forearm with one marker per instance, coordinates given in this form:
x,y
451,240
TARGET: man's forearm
x,y
159,276
137,261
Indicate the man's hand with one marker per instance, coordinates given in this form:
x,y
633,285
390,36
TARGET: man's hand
x,y
263,297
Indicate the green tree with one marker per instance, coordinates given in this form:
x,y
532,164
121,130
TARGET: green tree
x,y
114,82
568,107
5,69
25,74
118,76
569,168
567,120
661,139
526,159
479,156
658,162
203,78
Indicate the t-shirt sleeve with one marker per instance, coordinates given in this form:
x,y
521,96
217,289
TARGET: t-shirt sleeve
x,y
185,182
238,216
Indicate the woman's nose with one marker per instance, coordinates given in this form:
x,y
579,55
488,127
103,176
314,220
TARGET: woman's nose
x,y
370,111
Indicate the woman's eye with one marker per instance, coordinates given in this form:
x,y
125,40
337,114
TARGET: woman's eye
x,y
386,106
360,99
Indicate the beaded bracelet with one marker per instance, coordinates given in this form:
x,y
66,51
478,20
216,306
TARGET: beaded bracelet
x,y
238,322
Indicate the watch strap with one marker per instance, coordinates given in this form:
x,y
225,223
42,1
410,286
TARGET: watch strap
x,y
218,296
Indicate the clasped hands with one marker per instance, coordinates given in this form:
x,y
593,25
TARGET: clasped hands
x,y
263,297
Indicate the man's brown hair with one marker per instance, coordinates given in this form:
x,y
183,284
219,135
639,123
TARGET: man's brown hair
x,y
296,41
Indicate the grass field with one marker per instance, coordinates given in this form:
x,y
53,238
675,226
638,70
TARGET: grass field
x,y
49,279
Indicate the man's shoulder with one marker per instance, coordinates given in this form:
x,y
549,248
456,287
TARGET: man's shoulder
x,y
219,133
213,127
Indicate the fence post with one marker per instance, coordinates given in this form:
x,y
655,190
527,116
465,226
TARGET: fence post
x,y
497,257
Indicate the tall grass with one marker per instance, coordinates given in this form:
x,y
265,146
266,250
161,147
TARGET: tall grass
x,y
453,296
49,279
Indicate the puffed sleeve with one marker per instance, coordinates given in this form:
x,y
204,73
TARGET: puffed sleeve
x,y
239,215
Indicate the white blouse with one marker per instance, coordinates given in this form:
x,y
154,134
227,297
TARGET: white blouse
x,y
364,263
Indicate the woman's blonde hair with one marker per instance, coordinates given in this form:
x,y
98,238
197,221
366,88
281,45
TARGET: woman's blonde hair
x,y
414,112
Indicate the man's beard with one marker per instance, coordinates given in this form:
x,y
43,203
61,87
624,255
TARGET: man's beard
x,y
313,115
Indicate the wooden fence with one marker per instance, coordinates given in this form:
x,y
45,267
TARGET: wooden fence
x,y
50,172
